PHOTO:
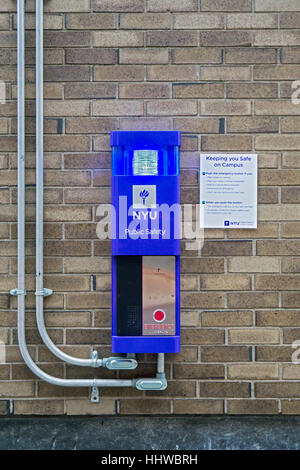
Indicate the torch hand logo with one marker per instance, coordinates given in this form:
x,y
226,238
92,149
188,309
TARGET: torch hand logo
x,y
144,194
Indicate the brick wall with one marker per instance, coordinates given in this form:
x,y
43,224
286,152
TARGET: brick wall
x,y
221,71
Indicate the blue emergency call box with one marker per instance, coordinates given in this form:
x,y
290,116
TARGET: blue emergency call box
x,y
145,242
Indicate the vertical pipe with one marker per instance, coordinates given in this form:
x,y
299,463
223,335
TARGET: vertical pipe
x,y
39,156
21,153
160,363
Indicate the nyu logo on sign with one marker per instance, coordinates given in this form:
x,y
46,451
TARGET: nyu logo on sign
x,y
144,196
227,223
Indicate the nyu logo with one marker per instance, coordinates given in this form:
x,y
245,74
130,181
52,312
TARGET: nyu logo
x,y
227,223
144,194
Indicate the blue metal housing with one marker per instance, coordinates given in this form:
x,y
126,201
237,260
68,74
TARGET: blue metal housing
x,y
147,159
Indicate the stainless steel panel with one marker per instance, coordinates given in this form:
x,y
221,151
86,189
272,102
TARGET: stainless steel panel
x,y
159,294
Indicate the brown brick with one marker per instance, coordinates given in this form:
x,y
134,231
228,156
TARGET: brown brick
x,y
90,21
118,108
225,282
276,5
4,407
67,214
291,265
118,5
144,56
278,247
290,335
290,371
196,55
202,265
87,196
277,390
227,248
224,390
227,318
290,407
199,125
228,142
252,90
253,264
198,90
252,407
253,336
4,21
38,407
172,72
202,336
45,390
172,107
225,107
226,5
277,212
291,160
144,21
87,336
171,38
177,388
290,124
17,389
253,371
87,265
273,353
107,406
254,21
117,39
252,124
289,55
172,5
119,73
196,21
147,406
277,38
65,143
225,354
203,300
253,300
145,123
91,56
144,90
198,406
278,142
290,195
198,371
225,38
290,299
101,178
290,20
94,300
250,56
281,107
66,38
277,282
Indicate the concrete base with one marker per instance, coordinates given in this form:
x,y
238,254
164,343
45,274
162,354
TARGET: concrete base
x,y
138,433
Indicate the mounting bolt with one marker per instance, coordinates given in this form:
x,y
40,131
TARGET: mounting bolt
x,y
95,398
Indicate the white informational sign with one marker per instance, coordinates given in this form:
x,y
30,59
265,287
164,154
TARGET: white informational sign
x,y
228,190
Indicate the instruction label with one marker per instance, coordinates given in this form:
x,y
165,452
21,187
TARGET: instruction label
x,y
228,190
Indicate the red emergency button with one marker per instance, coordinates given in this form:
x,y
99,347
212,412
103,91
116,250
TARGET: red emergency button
x,y
159,315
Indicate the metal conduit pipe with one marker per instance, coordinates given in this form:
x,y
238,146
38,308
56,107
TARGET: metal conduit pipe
x,y
41,292
159,382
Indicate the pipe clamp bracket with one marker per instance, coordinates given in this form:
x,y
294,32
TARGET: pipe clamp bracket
x,y
44,293
17,292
